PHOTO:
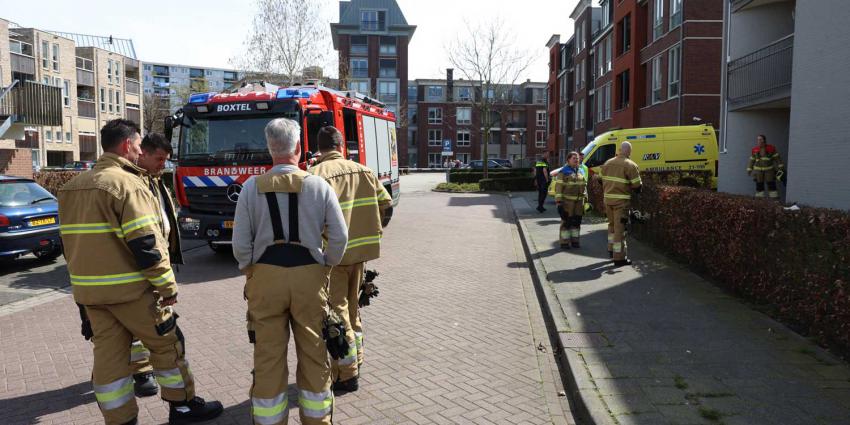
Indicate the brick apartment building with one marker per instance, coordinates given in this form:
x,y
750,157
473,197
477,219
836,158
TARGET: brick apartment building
x,y
635,63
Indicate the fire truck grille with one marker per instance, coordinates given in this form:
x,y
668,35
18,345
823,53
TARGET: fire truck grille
x,y
210,200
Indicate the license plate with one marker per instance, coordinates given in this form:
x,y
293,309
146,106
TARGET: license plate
x,y
227,224
42,221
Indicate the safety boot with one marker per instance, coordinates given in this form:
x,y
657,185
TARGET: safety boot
x,y
621,263
194,410
610,254
144,384
347,386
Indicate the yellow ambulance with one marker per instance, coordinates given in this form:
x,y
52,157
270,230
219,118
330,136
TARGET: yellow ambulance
x,y
682,148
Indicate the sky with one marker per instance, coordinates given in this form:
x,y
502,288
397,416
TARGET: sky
x,y
209,33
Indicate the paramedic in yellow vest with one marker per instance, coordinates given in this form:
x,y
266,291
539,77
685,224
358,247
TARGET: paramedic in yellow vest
x,y
765,167
363,200
570,196
620,177
120,272
277,241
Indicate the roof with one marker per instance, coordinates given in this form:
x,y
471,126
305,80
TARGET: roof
x,y
349,19
121,46
582,4
13,178
555,39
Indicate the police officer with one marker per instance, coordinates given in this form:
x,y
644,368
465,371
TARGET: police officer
x,y
363,200
570,196
765,167
620,176
541,180
120,272
277,240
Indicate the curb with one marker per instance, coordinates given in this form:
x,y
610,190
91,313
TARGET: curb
x,y
588,407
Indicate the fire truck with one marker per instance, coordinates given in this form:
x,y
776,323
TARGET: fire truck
x,y
222,144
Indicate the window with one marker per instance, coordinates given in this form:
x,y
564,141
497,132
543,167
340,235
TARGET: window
x,y
373,20
600,155
359,45
540,138
117,102
579,114
464,115
464,94
606,13
387,68
109,70
45,55
674,71
360,86
583,32
48,136
55,57
623,83
658,19
45,81
388,91
359,67
578,77
66,93
579,36
600,104
111,99
117,72
625,27
463,138
435,137
608,42
562,120
600,60
656,79
435,92
675,13
435,115
102,100
541,118
58,137
388,46
68,137
435,160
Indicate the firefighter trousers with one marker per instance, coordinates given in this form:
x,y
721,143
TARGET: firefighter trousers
x,y
617,216
140,358
766,178
344,295
571,214
114,327
279,299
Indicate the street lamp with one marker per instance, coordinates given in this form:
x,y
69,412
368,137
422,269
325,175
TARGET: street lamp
x,y
522,144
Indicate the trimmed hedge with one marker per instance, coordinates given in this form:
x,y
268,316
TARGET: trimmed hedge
x,y
795,265
698,179
473,176
512,184
458,187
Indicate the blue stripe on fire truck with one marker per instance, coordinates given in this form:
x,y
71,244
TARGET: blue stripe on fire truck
x,y
208,181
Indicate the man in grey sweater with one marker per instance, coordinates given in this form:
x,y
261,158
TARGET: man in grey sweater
x,y
277,240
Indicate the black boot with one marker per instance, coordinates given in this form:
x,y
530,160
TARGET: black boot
x,y
610,254
144,384
194,410
621,263
347,386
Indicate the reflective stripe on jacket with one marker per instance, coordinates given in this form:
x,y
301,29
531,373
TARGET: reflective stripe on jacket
x,y
767,159
571,185
112,237
619,176
362,198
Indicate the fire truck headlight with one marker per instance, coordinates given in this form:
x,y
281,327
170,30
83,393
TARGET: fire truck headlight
x,y
203,109
189,224
262,105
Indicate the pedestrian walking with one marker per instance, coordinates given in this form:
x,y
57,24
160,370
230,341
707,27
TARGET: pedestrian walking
x,y
765,167
570,196
277,241
363,200
121,273
542,180
620,177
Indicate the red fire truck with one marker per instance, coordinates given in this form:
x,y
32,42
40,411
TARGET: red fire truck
x,y
222,144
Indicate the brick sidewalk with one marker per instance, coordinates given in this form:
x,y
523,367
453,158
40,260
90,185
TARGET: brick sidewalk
x,y
451,339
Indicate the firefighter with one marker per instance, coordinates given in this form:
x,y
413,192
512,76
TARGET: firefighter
x,y
570,196
120,273
363,200
541,180
765,167
620,177
277,240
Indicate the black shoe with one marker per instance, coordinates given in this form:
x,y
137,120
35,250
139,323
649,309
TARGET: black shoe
x,y
194,410
144,385
621,263
347,386
540,209
133,421
610,254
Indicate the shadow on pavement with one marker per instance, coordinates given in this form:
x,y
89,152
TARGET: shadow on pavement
x,y
500,203
583,274
204,265
29,409
32,273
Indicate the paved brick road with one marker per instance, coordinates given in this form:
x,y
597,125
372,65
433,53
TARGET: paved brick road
x,y
452,338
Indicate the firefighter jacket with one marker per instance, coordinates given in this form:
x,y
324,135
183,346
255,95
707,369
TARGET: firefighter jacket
x,y
111,233
171,231
620,176
362,198
765,160
571,185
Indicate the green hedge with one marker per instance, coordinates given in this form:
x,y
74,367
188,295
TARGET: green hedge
x,y
473,176
699,179
510,184
794,264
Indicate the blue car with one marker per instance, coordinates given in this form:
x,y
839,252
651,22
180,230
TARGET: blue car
x,y
29,220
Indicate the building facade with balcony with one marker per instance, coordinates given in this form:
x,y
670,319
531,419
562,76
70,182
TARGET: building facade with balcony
x,y
781,82
372,38
173,82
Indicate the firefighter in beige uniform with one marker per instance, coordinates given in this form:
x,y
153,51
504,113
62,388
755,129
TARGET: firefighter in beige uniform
x,y
363,200
570,195
277,240
620,176
120,272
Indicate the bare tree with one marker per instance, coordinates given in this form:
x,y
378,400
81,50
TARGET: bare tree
x,y
287,35
155,110
485,54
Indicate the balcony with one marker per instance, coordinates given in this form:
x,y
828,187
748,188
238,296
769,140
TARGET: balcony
x,y
132,86
22,57
85,72
32,103
762,77
134,115
86,108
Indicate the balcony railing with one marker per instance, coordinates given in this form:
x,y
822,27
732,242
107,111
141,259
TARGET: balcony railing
x,y
132,86
762,76
134,115
21,48
33,103
86,108
86,64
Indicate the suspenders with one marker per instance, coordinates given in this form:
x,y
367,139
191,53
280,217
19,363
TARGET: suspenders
x,y
285,253
274,211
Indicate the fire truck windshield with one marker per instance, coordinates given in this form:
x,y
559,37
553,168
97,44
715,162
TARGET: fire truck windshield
x,y
233,138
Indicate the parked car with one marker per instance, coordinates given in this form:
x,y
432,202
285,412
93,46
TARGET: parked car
x,y
29,220
79,165
479,164
504,162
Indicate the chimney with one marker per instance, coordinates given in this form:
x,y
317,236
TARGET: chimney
x,y
449,84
